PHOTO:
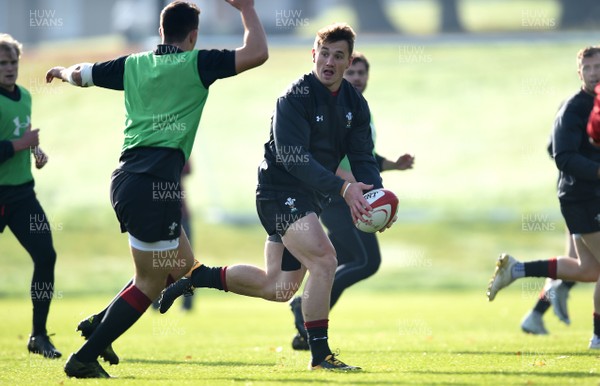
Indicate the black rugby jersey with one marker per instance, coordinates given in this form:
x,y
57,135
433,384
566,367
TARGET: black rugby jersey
x,y
577,160
311,131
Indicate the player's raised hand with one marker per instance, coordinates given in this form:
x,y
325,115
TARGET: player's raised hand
x,y
353,195
404,162
240,4
54,72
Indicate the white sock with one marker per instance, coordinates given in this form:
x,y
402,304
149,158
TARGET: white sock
x,y
518,271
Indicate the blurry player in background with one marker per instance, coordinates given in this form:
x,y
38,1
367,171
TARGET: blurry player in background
x,y
357,252
165,92
554,293
19,207
578,161
320,119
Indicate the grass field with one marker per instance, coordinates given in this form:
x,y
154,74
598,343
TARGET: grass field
x,y
477,117
401,338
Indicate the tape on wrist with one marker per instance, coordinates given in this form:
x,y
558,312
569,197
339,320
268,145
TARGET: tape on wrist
x,y
346,189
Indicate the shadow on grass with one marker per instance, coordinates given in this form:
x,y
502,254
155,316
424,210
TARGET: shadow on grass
x,y
329,381
192,362
516,353
573,374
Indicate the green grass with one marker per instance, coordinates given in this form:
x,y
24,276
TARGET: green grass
x,y
426,255
402,338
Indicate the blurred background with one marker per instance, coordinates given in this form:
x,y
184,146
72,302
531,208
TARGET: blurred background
x,y
470,87
39,21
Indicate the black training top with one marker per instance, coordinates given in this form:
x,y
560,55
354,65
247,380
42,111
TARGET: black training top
x,y
577,160
311,131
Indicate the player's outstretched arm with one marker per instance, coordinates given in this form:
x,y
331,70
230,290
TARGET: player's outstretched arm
x,y
78,74
255,51
403,162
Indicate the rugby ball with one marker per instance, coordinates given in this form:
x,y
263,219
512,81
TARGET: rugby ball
x,y
385,207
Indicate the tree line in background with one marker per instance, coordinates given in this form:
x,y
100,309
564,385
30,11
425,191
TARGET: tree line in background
x,y
372,16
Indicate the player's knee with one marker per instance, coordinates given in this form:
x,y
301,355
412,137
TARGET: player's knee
x,y
590,275
325,264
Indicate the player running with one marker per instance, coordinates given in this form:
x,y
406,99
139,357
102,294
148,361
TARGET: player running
x,y
19,207
578,161
554,293
358,252
320,119
165,92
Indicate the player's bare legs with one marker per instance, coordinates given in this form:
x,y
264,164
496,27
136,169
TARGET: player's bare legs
x,y
270,284
584,269
590,243
589,248
554,294
151,273
150,278
307,241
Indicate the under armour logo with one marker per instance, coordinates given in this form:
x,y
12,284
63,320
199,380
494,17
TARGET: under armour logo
x,y
319,118
19,125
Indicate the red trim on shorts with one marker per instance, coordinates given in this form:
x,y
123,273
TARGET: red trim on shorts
x,y
136,299
552,267
317,324
224,278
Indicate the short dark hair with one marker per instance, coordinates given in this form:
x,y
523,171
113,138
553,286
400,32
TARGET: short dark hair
x,y
178,19
587,52
334,33
359,57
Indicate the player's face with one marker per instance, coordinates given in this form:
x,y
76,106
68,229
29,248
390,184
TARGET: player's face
x,y
358,76
589,72
331,59
9,69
